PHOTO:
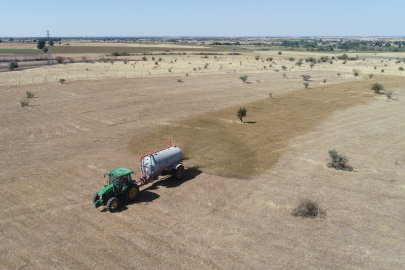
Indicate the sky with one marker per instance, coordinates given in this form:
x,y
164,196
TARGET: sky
x,y
124,18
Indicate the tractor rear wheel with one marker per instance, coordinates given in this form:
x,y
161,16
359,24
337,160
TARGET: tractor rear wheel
x,y
95,197
132,192
112,204
178,173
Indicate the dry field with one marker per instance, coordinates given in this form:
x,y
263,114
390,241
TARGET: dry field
x,y
233,209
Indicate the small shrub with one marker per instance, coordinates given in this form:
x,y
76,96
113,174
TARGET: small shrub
x,y
401,68
271,95
308,209
269,59
339,161
241,113
62,80
24,103
153,58
388,94
13,65
170,70
276,70
377,88
179,80
306,84
344,62
356,72
324,80
279,53
324,58
257,57
160,59
330,62
115,54
156,63
125,62
144,58
60,59
306,77
382,71
299,63
375,67
29,94
284,67
312,65
285,75
244,78
291,59
338,74
187,74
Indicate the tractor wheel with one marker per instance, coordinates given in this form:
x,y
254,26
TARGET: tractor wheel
x,y
178,173
132,193
112,204
95,197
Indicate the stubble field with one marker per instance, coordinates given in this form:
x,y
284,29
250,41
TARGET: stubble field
x,y
233,209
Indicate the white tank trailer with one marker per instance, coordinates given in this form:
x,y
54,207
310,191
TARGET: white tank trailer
x,y
153,165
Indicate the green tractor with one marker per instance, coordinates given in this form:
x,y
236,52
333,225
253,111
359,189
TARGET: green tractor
x,y
120,187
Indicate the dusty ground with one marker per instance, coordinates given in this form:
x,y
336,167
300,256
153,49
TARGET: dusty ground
x,y
55,151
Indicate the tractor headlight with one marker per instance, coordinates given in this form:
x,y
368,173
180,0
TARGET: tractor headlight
x,y
100,197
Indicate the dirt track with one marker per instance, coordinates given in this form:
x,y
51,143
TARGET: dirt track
x,y
55,152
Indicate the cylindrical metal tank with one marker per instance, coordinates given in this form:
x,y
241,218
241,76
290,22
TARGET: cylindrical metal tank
x,y
154,164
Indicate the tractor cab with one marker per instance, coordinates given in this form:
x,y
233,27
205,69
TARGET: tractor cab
x,y
120,187
119,178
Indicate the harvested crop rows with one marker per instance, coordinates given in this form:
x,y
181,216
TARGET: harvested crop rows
x,y
233,209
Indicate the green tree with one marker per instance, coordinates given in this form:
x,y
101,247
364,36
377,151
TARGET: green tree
x,y
40,44
244,78
241,113
377,88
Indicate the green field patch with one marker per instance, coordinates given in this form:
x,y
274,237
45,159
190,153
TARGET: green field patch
x,y
120,49
22,51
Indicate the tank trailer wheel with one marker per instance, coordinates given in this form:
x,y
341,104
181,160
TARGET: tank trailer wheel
x,y
132,193
178,173
95,197
112,204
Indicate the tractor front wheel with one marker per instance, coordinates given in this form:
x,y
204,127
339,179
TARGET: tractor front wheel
x,y
178,173
132,192
95,197
112,204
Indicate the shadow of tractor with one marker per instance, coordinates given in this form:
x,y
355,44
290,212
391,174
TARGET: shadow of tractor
x,y
146,195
